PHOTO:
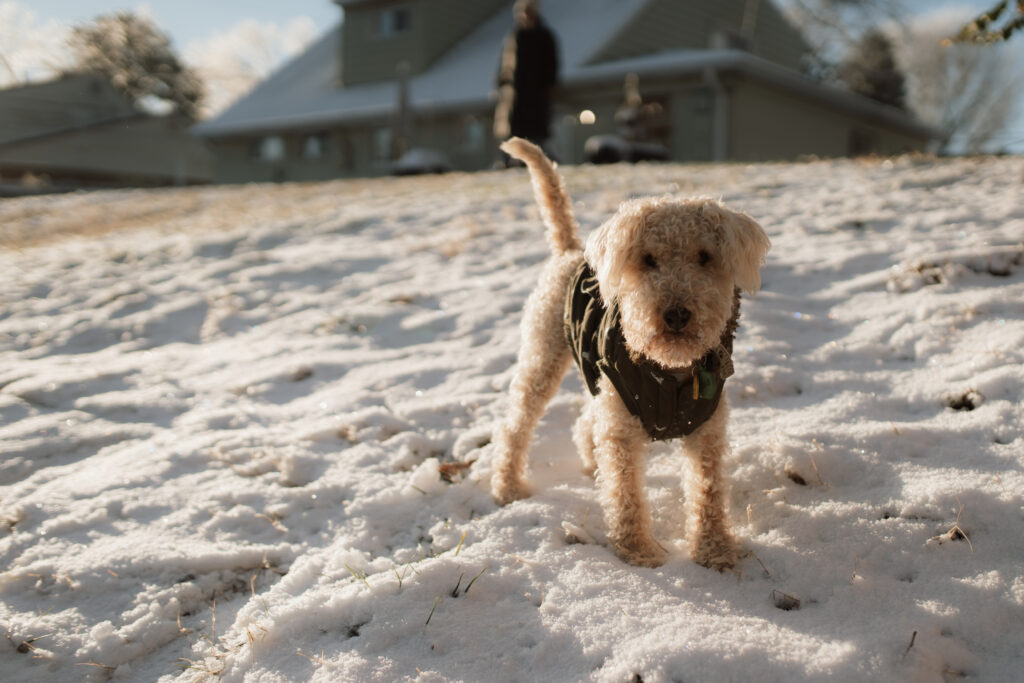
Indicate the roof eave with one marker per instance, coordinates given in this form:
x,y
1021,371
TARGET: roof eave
x,y
58,132
349,117
844,99
745,64
655,66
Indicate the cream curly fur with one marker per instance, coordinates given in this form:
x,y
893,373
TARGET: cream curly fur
x,y
653,256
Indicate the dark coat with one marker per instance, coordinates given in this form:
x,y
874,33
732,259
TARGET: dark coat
x,y
669,404
531,76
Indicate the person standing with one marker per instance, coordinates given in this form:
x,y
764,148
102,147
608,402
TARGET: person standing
x,y
527,77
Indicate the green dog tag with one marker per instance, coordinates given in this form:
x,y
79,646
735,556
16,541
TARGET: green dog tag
x,y
708,382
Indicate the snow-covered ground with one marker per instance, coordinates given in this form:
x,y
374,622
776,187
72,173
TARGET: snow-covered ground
x,y
225,414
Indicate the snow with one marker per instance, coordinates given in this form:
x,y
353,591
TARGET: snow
x,y
225,412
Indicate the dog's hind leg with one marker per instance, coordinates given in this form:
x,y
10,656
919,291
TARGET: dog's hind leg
x,y
711,542
583,437
620,451
544,358
543,354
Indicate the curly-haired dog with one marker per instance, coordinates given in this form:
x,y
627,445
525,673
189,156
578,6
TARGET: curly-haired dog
x,y
648,310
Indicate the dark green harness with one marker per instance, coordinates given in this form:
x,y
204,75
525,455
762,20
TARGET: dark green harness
x,y
669,404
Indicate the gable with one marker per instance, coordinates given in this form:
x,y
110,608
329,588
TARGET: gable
x,y
378,36
665,25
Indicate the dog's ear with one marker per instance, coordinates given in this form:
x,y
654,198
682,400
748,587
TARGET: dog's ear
x,y
607,250
744,245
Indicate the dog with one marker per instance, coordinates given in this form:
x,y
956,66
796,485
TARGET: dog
x,y
648,310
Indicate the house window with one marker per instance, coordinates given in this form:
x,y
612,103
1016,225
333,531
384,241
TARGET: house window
x,y
341,146
393,21
703,101
474,133
861,142
314,146
383,141
729,40
270,148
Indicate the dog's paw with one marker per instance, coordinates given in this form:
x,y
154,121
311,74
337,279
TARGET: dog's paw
x,y
721,563
642,553
507,491
716,552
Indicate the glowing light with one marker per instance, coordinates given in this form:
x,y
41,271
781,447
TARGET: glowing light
x,y
587,117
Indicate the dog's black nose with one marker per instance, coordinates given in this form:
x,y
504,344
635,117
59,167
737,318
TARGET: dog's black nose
x,y
676,318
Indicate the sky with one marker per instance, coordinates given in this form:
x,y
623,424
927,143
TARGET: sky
x,y
181,19
232,43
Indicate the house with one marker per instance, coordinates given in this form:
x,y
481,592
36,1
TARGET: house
x,y
78,131
725,74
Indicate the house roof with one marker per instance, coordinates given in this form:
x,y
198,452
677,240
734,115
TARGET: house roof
x,y
674,63
304,93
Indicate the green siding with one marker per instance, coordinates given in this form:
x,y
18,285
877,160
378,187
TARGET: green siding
x,y
350,151
446,22
570,135
65,103
767,124
368,56
435,27
692,116
664,25
688,112
79,128
138,151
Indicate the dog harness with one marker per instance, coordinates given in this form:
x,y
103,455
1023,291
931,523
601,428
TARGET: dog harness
x,y
669,403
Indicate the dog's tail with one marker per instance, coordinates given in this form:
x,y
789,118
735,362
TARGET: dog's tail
x,y
555,205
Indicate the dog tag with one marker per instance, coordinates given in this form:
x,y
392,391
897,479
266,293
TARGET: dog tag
x,y
708,382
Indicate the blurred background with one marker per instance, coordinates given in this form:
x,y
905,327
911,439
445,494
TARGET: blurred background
x,y
97,93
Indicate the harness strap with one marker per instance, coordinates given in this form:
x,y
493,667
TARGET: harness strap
x,y
663,400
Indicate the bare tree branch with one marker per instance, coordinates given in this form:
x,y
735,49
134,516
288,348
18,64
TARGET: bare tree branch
x,y
967,89
138,59
981,29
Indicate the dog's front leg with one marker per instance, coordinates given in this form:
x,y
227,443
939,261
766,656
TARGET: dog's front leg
x,y
711,541
620,450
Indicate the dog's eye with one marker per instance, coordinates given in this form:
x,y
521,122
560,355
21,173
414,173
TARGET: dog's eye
x,y
704,257
649,261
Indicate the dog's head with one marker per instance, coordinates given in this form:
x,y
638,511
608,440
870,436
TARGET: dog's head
x,y
673,266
